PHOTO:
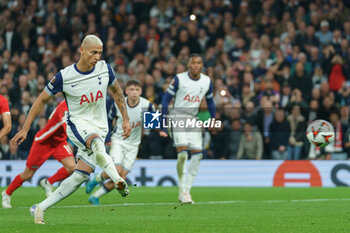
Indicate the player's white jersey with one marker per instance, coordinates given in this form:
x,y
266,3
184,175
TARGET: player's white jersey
x,y
85,93
135,117
188,93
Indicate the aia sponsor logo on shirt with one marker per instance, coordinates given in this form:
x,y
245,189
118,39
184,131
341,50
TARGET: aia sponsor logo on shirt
x,y
91,98
135,124
192,99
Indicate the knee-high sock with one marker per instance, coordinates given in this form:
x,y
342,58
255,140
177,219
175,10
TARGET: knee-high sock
x,y
15,184
67,187
61,174
99,178
192,170
181,169
101,191
104,160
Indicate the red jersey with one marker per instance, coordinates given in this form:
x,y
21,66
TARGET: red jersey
x,y
54,132
4,105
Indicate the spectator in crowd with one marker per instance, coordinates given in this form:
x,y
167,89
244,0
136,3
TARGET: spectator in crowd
x,y
250,112
324,35
313,110
250,143
285,97
12,39
234,133
219,140
302,81
264,120
297,127
318,77
327,108
279,133
336,76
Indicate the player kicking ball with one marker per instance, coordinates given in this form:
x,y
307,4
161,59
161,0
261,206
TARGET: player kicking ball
x,y
123,152
188,89
51,140
84,85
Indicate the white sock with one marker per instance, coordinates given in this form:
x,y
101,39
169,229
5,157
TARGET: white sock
x,y
181,168
99,178
104,160
193,168
101,191
67,187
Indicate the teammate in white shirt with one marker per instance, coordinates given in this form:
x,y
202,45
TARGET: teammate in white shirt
x,y
84,86
188,90
123,152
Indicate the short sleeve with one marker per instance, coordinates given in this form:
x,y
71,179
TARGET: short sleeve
x,y
111,75
55,85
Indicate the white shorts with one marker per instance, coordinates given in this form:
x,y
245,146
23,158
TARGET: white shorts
x,y
123,154
78,133
87,156
193,140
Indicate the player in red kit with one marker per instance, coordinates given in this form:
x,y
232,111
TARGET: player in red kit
x,y
51,140
5,116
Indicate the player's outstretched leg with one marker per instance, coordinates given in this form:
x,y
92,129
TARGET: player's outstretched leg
x,y
106,163
67,187
191,176
92,183
95,197
181,168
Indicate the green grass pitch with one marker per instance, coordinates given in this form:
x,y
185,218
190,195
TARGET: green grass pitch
x,y
216,210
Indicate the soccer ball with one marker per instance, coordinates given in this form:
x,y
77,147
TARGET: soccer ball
x,y
320,133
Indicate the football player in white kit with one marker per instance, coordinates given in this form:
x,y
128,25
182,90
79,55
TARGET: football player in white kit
x,y
84,86
188,90
123,152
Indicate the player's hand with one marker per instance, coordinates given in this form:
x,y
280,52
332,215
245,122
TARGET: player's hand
x,y
163,134
127,129
19,137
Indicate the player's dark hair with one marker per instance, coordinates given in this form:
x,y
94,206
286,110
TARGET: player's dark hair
x,y
194,55
134,82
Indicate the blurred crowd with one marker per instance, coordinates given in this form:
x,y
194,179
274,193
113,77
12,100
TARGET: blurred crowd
x,y
276,65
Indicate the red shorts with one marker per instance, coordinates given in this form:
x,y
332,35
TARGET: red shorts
x,y
39,153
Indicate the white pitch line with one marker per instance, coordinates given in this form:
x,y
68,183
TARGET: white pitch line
x,y
197,203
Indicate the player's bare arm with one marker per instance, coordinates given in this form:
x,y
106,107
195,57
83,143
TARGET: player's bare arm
x,y
34,111
120,100
6,121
